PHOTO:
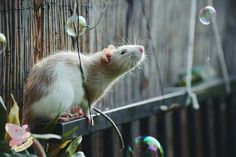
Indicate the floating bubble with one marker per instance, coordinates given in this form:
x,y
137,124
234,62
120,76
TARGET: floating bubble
x,y
76,25
207,15
3,43
146,146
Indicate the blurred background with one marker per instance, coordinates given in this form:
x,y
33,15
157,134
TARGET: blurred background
x,y
36,28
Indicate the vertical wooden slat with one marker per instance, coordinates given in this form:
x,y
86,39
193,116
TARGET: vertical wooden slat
x,y
192,132
205,138
208,131
108,142
87,145
127,134
220,134
161,132
145,126
177,144
230,125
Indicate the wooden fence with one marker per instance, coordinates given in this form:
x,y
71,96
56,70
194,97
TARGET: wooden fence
x,y
36,28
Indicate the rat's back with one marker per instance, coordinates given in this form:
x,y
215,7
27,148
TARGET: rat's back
x,y
53,86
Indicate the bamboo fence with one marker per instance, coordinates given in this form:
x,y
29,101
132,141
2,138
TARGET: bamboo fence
x,y
36,28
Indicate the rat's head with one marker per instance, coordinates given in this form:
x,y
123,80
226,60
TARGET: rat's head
x,y
123,58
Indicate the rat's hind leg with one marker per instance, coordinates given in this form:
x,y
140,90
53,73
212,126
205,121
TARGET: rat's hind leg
x,y
86,110
90,118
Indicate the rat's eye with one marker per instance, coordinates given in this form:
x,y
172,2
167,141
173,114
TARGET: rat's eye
x,y
123,51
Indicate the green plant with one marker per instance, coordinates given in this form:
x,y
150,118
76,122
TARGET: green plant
x,y
67,148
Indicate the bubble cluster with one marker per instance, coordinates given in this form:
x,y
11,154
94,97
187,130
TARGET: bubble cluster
x,y
76,25
3,43
145,146
207,15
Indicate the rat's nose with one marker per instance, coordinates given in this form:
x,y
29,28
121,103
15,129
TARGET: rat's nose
x,y
141,49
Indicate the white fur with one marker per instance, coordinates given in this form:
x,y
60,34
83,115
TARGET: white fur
x,y
65,91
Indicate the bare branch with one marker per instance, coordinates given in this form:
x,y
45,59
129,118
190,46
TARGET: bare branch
x,y
101,15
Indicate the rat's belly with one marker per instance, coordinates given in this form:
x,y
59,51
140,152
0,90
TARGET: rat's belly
x,y
59,99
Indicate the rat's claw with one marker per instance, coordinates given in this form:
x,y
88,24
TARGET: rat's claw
x,y
79,111
68,117
90,120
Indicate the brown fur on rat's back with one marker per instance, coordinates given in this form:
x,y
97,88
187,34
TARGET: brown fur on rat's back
x,y
41,75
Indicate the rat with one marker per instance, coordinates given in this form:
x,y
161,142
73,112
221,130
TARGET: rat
x,y
55,84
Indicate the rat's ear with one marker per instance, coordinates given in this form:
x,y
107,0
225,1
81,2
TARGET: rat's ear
x,y
111,47
106,57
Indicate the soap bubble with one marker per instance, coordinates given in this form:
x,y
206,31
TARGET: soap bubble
x,y
145,146
76,25
207,15
3,43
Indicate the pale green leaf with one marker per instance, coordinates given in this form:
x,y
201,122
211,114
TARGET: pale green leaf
x,y
56,149
13,116
79,154
73,146
46,136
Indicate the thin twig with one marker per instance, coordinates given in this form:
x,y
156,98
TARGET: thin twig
x,y
100,18
81,69
220,52
192,96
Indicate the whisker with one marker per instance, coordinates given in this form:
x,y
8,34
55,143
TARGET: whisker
x,y
147,59
141,41
123,40
128,42
135,40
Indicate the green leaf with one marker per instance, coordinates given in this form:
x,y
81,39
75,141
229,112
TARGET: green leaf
x,y
46,136
70,151
11,153
57,148
68,133
79,154
3,118
13,116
